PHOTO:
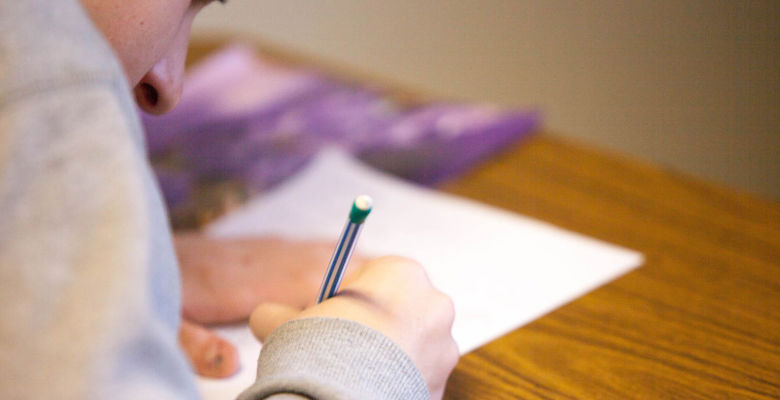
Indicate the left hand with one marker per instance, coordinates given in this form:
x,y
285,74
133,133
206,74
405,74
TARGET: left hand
x,y
224,279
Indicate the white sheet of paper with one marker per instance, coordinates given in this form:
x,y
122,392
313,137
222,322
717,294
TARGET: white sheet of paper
x,y
501,269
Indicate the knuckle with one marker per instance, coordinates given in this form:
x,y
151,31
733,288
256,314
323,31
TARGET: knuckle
x,y
399,262
410,269
446,308
453,354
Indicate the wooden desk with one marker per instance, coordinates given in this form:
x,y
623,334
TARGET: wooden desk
x,y
700,319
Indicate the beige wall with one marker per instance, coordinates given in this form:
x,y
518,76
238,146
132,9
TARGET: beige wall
x,y
692,85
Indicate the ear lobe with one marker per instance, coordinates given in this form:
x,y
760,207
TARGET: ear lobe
x,y
147,97
160,89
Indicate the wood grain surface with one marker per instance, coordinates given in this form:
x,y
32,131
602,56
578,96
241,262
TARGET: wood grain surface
x,y
699,320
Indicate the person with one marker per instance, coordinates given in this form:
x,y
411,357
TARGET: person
x,y
91,293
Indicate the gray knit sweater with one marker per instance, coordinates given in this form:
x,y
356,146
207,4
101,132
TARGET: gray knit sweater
x,y
89,285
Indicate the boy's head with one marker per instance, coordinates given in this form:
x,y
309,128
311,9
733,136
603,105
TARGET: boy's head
x,y
150,37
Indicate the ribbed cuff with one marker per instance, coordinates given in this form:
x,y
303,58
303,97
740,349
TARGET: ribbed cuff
x,y
331,358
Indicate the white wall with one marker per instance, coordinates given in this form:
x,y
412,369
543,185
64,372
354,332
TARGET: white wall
x,y
692,85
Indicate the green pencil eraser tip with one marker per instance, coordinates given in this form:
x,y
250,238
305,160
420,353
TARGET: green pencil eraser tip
x,y
361,207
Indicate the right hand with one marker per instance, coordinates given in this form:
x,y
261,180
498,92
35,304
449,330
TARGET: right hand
x,y
394,296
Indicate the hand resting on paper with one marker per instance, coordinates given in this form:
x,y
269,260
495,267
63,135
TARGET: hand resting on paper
x,y
394,296
224,279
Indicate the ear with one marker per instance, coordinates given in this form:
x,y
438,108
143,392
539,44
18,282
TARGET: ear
x,y
160,89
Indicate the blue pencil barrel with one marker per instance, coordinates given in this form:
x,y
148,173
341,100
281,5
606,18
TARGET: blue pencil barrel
x,y
361,207
338,263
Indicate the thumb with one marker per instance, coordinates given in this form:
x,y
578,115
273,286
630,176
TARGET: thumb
x,y
268,316
209,354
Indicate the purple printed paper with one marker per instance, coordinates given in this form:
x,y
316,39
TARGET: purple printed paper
x,y
251,122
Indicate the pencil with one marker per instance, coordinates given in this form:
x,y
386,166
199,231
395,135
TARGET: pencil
x,y
361,207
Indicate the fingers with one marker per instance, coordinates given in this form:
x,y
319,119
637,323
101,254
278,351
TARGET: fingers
x,y
210,355
268,316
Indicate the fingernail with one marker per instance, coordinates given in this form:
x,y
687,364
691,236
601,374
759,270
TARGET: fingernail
x,y
213,355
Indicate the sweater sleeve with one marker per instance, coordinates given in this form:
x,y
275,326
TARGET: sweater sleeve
x,y
330,358
89,289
